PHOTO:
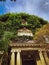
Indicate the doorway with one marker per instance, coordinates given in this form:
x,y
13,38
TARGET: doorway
x,y
28,58
29,62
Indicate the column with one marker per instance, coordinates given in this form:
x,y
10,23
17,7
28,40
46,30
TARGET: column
x,y
46,58
38,62
12,61
18,58
42,58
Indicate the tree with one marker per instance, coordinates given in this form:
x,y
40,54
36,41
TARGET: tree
x,y
10,23
43,34
5,41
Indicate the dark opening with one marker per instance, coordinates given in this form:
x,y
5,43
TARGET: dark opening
x,y
28,58
28,62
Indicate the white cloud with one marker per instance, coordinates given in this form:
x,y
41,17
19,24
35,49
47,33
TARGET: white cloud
x,y
46,3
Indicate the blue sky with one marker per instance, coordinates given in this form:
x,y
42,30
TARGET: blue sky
x,y
34,7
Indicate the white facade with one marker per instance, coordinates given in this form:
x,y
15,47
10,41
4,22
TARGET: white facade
x,y
25,32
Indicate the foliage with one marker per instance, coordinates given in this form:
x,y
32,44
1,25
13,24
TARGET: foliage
x,y
42,33
13,21
5,40
10,23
